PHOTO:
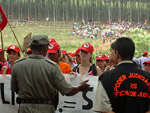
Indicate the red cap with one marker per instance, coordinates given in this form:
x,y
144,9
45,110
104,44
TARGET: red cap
x,y
145,53
29,51
146,62
101,57
64,52
13,47
107,57
51,40
2,49
53,47
77,52
71,54
87,47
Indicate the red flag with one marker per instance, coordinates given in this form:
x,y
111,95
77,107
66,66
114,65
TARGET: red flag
x,y
3,19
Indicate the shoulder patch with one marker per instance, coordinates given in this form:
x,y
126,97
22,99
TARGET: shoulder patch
x,y
51,62
19,60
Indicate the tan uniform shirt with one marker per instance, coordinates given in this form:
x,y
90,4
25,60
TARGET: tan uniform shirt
x,y
35,77
101,102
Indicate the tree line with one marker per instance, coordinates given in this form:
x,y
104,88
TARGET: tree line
x,y
77,10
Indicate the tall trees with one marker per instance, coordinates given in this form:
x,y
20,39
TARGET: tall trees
x,y
76,10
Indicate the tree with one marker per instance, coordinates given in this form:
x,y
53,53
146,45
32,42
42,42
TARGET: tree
x,y
147,14
98,10
130,11
87,8
77,7
82,9
73,10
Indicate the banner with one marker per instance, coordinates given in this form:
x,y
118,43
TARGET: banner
x,y
3,19
7,97
82,102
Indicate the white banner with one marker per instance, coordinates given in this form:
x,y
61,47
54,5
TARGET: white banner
x,y
79,103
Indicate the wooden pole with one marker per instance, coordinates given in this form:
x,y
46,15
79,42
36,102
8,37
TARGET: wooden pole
x,y
2,47
16,38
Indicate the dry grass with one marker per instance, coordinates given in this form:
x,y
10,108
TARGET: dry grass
x,y
60,31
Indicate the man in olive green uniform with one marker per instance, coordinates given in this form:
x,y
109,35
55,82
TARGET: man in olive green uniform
x,y
37,80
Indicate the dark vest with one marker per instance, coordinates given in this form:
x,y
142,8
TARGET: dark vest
x,y
128,88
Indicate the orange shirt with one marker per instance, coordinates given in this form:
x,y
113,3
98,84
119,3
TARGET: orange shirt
x,y
65,68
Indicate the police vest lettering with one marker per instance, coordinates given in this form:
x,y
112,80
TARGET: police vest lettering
x,y
133,86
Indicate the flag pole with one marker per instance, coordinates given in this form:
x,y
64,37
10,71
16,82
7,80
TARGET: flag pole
x,y
16,38
2,47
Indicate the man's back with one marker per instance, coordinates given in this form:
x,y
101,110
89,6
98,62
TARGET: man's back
x,y
37,78
127,88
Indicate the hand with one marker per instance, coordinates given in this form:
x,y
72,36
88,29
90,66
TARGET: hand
x,y
107,68
84,86
112,67
4,68
73,73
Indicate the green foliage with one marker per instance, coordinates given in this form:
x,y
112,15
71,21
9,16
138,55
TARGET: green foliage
x,y
61,32
142,41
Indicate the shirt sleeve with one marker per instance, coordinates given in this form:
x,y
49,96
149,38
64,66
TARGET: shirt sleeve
x,y
60,83
101,102
14,85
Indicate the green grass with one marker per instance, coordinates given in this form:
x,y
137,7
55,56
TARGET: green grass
x,y
60,31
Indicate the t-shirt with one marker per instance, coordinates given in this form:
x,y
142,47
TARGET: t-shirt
x,y
65,68
92,70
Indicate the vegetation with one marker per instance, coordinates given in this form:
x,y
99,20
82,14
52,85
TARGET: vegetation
x,y
141,39
61,32
76,10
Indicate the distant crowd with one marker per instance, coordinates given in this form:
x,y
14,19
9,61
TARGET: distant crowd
x,y
114,30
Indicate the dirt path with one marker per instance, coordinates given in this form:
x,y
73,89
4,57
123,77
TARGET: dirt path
x,y
103,46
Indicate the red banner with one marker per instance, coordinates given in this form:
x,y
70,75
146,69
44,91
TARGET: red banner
x,y
3,19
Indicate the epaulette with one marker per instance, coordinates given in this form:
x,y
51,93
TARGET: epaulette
x,y
19,60
50,61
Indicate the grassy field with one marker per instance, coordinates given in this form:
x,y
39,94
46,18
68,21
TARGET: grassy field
x,y
60,31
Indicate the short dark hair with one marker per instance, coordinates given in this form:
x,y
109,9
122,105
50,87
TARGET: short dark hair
x,y
37,47
125,47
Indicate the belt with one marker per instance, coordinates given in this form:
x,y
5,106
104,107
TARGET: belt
x,y
36,101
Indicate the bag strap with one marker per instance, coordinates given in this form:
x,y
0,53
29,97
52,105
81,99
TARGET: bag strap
x,y
75,68
94,70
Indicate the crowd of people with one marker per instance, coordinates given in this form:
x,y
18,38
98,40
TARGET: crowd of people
x,y
114,30
38,77
71,62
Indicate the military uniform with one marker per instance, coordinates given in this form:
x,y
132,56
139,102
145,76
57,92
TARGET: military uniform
x,y
34,77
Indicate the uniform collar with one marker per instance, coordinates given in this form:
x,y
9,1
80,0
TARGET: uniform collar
x,y
36,56
127,61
